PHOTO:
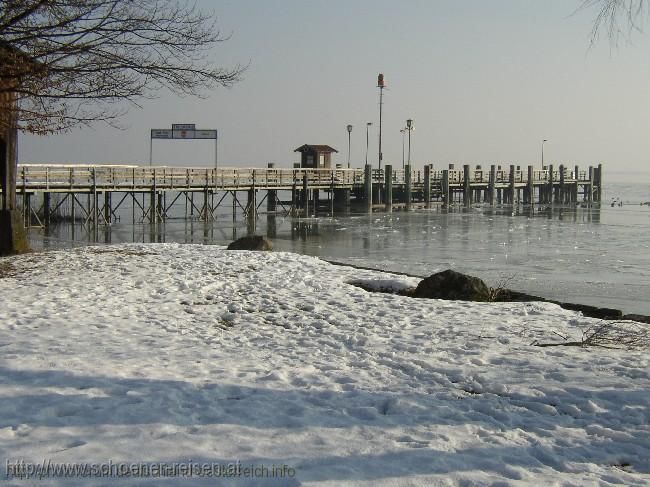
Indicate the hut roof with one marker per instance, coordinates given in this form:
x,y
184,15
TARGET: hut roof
x,y
316,148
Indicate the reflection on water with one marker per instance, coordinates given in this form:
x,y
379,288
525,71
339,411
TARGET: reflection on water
x,y
592,256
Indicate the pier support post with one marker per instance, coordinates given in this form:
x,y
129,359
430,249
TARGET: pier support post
x,y
530,188
576,177
46,208
466,186
590,186
561,189
427,186
549,187
388,183
491,184
305,194
511,185
107,208
271,195
446,197
152,207
315,195
341,199
408,175
599,183
367,187
252,204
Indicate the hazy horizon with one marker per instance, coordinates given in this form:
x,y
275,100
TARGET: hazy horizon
x,y
483,83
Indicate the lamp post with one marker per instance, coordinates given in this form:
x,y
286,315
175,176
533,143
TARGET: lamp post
x,y
545,140
349,134
380,85
402,131
368,124
410,128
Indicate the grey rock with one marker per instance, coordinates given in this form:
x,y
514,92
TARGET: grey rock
x,y
251,242
450,284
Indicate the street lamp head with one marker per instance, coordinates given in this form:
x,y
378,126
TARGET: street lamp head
x,y
401,131
409,124
368,124
349,128
545,140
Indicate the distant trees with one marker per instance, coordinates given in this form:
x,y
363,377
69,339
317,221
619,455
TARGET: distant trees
x,y
74,62
617,17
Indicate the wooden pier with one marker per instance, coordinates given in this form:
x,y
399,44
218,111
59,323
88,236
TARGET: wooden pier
x,y
95,193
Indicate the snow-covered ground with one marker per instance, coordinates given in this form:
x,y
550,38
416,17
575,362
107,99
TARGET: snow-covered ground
x,y
182,353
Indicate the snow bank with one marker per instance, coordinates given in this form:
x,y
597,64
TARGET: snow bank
x,y
182,353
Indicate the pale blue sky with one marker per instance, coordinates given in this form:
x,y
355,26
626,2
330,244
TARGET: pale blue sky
x,y
485,82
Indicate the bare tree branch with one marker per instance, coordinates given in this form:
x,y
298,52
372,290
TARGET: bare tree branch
x,y
73,62
617,17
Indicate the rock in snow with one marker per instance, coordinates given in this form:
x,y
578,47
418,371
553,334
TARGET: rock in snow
x,y
182,354
251,242
450,284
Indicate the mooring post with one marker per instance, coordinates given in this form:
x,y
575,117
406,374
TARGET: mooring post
x,y
73,200
46,209
574,188
107,208
590,186
95,209
367,186
445,188
271,194
27,207
305,193
160,211
530,192
492,184
466,185
511,185
599,193
252,204
152,200
409,185
427,186
388,186
549,188
562,195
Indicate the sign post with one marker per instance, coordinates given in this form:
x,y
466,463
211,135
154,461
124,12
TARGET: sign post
x,y
184,131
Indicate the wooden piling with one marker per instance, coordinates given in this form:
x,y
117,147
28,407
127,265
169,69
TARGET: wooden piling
x,y
367,187
427,186
388,186
409,186
511,185
491,184
530,188
590,186
561,189
549,188
445,188
599,185
466,186
305,194
46,208
108,214
271,195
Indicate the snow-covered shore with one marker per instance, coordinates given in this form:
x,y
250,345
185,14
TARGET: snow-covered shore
x,y
177,353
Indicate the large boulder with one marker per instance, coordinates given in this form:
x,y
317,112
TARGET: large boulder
x,y
452,285
251,242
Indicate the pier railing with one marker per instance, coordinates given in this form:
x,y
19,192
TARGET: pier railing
x,y
65,177
58,177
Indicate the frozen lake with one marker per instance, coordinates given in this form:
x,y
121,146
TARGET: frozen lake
x,y
598,256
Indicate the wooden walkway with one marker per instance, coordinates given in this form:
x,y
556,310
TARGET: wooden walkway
x,y
370,187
